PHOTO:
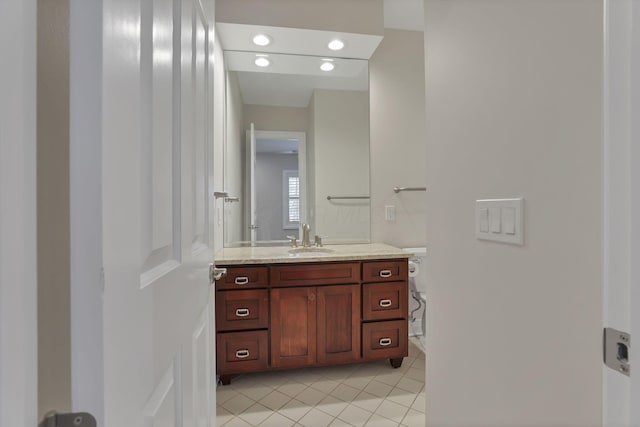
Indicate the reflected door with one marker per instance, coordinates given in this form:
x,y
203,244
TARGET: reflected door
x,y
251,158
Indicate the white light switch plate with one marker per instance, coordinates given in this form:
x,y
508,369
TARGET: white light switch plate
x,y
504,218
390,213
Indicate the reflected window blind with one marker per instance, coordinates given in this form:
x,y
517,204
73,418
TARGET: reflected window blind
x,y
291,199
294,199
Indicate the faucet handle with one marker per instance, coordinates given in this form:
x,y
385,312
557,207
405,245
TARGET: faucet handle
x,y
318,241
293,240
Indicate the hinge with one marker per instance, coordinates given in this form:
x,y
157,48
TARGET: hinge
x,y
77,419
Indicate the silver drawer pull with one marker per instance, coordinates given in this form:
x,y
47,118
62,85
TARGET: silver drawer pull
x,y
384,341
385,303
242,312
385,273
241,354
241,280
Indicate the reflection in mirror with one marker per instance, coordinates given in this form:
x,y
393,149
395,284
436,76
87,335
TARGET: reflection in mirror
x,y
279,165
308,158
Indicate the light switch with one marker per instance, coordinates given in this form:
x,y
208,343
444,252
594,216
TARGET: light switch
x,y
390,213
495,218
484,220
509,220
500,220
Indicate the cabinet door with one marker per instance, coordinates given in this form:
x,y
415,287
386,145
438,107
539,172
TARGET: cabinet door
x,y
293,327
338,323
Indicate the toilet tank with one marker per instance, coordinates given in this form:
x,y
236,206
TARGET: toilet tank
x,y
417,264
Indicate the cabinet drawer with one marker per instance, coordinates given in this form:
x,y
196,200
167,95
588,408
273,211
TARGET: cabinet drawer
x,y
385,301
315,274
244,278
242,309
381,340
385,271
239,352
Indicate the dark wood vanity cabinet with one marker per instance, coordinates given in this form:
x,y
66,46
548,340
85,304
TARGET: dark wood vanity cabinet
x,y
338,324
293,327
294,315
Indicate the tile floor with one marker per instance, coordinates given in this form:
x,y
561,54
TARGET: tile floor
x,y
367,394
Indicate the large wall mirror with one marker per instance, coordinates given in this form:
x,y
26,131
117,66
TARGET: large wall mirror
x,y
297,148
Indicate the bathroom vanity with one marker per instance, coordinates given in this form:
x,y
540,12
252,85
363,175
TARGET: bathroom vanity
x,y
279,308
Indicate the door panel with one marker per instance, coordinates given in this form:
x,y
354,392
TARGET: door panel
x,y
159,146
201,372
293,327
251,182
161,408
338,323
201,151
152,124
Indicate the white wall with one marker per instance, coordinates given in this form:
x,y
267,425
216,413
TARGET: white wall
x,y
354,16
341,155
514,108
271,118
398,146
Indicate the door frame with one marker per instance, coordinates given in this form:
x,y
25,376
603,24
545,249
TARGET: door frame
x,y
85,210
621,234
18,263
302,165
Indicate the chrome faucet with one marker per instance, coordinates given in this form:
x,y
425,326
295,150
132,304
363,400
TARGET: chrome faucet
x,y
305,235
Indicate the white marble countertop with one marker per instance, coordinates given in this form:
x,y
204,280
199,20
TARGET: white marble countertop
x,y
282,254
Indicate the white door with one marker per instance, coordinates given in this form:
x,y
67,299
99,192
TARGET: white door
x,y
622,203
18,341
141,170
251,179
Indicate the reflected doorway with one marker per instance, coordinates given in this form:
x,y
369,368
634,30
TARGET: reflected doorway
x,y
276,181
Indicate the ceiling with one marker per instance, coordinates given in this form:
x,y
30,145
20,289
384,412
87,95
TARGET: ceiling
x,y
290,79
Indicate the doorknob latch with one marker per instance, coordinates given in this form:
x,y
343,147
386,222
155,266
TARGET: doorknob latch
x,y
77,419
216,273
616,346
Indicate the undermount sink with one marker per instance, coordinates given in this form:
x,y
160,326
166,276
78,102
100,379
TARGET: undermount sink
x,y
313,250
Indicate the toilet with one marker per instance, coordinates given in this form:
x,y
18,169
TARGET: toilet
x,y
417,292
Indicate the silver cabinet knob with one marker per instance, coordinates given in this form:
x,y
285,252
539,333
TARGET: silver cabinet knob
x,y
242,312
385,273
384,341
242,354
241,280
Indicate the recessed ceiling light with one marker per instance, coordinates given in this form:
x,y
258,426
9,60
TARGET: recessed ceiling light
x,y
262,61
336,44
261,40
327,66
